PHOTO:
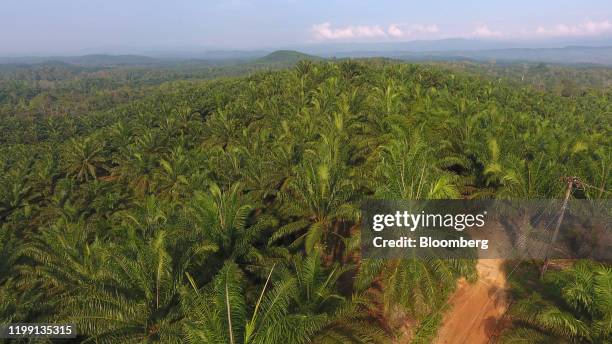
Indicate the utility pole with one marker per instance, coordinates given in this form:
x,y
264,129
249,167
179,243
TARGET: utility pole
x,y
571,182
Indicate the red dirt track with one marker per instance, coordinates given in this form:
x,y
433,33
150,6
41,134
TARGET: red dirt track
x,y
476,310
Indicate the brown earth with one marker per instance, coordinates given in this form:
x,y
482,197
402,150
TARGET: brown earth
x,y
476,310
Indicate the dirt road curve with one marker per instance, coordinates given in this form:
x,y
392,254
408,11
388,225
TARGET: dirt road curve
x,y
475,309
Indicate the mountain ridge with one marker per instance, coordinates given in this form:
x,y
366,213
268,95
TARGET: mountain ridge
x,y
574,54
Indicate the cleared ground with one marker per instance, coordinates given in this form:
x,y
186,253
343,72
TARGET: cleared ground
x,y
476,310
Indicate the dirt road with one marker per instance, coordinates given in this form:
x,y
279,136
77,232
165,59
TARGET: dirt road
x,y
476,309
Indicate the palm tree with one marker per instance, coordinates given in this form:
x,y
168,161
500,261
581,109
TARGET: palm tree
x,y
300,305
430,280
84,159
9,253
113,292
317,296
219,313
133,298
137,169
224,219
171,179
15,194
17,190
319,198
407,170
64,260
572,306
513,177
17,303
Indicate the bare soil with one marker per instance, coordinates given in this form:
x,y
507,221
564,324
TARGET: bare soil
x,y
476,310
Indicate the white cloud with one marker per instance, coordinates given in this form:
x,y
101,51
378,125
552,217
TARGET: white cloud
x,y
369,31
398,31
325,31
403,30
395,31
589,28
484,31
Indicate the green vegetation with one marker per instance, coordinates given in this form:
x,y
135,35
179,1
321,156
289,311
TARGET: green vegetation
x,y
225,210
569,306
288,57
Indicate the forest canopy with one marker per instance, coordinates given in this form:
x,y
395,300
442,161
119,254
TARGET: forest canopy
x,y
144,205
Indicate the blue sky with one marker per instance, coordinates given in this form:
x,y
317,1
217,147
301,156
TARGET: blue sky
x,y
64,26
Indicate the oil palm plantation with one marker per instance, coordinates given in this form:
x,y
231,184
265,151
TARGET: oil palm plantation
x,y
573,306
299,304
225,210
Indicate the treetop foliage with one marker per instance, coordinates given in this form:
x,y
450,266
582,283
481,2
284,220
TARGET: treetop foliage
x,y
226,210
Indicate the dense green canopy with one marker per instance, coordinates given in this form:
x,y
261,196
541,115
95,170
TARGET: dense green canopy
x,y
226,210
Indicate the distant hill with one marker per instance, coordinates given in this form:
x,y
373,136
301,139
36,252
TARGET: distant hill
x,y
277,58
566,55
108,60
85,60
448,45
286,57
411,51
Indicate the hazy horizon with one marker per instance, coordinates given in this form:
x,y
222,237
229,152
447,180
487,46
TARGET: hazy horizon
x,y
34,27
